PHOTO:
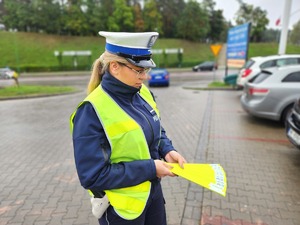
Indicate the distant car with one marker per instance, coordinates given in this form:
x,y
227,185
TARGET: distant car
x,y
7,73
293,125
272,93
207,65
255,64
159,77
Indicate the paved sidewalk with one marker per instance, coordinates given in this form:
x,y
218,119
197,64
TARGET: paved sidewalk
x,y
39,184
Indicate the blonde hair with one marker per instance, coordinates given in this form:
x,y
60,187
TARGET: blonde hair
x,y
99,67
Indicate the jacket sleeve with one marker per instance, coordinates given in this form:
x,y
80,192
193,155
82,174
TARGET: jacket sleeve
x,y
92,156
165,144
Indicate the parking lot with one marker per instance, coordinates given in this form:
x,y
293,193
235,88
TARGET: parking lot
x,y
39,184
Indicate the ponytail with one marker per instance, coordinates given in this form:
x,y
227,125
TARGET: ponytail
x,y
96,77
99,67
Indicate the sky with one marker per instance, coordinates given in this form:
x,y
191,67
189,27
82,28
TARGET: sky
x,y
274,10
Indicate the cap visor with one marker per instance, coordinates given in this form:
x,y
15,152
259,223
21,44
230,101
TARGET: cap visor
x,y
142,63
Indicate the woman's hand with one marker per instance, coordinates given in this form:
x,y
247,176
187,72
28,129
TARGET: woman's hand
x,y
163,169
175,157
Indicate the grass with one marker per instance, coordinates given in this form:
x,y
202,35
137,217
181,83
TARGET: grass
x,y
21,50
33,91
218,84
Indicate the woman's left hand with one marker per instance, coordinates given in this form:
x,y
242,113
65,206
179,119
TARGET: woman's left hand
x,y
175,157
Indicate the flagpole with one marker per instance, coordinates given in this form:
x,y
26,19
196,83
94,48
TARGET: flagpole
x,y
285,26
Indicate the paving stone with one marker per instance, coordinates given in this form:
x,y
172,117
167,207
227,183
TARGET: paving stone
x,y
39,184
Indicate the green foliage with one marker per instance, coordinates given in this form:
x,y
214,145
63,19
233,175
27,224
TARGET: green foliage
x,y
218,84
171,18
138,18
122,17
193,24
216,21
295,34
171,11
95,16
152,17
256,16
18,14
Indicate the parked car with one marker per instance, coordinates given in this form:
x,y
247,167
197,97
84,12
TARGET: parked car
x,y
7,73
207,65
293,125
159,77
255,64
272,93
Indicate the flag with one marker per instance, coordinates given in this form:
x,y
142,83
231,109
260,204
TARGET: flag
x,y
277,23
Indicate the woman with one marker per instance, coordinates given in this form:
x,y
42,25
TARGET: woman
x,y
117,136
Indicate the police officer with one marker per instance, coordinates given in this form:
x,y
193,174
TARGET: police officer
x,y
120,147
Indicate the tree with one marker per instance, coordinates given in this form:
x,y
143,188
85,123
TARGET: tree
x,y
18,14
105,12
138,18
45,11
171,11
256,16
295,34
152,17
216,20
193,24
74,20
122,17
271,35
95,18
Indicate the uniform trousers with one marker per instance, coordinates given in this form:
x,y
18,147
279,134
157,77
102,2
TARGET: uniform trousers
x,y
154,213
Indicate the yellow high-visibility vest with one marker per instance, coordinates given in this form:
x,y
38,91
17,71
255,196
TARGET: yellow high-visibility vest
x,y
123,133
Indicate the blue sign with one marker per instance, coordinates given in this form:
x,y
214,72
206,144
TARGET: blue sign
x,y
237,45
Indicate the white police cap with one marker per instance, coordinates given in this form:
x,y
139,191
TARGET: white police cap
x,y
134,47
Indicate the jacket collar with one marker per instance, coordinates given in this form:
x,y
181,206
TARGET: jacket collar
x,y
116,87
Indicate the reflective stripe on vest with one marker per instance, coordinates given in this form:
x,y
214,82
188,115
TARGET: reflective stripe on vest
x,y
123,133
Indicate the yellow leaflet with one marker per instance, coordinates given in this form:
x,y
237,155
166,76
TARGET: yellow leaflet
x,y
210,176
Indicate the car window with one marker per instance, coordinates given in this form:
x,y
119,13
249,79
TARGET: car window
x,y
248,64
260,77
287,61
292,77
268,64
292,61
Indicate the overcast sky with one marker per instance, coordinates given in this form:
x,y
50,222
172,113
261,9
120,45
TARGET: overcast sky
x,y
274,9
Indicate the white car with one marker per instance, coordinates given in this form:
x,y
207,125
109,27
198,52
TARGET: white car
x,y
272,93
255,64
7,73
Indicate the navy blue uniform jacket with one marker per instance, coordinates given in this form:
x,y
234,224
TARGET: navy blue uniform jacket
x,y
92,150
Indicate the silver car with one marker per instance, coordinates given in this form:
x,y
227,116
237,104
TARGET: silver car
x,y
255,64
272,93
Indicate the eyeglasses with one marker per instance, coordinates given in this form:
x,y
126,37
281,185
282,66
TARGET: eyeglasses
x,y
138,72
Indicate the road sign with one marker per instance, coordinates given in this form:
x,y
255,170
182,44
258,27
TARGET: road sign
x,y
215,49
237,45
